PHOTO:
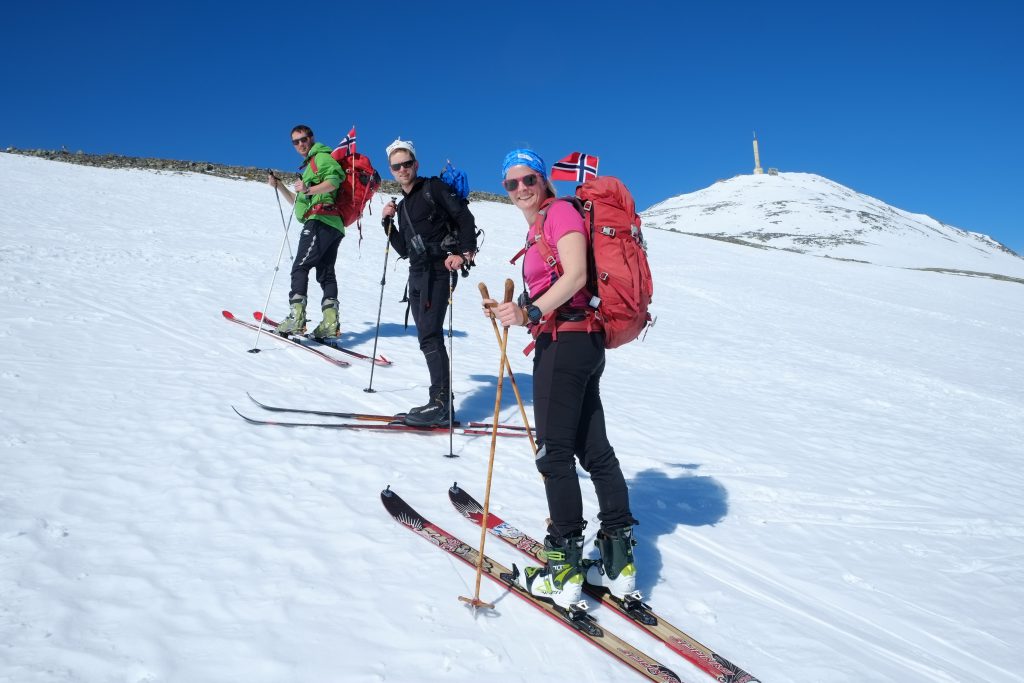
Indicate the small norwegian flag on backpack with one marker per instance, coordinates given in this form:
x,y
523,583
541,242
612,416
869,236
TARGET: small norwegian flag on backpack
x,y
618,275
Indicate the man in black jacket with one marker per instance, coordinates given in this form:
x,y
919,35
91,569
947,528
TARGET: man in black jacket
x,y
437,232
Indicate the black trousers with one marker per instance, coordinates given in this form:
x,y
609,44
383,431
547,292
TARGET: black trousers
x,y
570,424
318,248
428,301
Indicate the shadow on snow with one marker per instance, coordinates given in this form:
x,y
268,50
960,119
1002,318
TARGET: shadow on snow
x,y
663,503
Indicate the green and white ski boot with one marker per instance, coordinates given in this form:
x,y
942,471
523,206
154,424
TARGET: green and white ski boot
x,y
295,323
616,570
561,579
329,326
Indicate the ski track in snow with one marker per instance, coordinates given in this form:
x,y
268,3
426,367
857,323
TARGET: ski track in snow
x,y
825,458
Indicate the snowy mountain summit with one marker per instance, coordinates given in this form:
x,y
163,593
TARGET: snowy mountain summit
x,y
810,214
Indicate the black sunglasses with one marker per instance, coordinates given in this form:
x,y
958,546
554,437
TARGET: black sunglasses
x,y
403,164
299,141
528,181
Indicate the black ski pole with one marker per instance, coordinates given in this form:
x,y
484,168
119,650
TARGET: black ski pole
x,y
389,224
453,278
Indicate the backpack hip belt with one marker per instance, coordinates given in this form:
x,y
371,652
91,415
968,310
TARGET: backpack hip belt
x,y
565,320
322,209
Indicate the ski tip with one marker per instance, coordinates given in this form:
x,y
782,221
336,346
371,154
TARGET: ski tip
x,y
665,673
228,314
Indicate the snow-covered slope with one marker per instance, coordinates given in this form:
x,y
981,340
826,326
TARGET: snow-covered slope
x,y
812,214
825,457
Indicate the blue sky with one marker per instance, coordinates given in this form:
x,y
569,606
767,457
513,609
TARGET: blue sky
x,y
918,104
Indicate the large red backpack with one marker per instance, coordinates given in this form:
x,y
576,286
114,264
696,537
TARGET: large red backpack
x,y
618,274
356,191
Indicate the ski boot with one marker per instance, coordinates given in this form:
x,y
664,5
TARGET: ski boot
x,y
434,413
561,578
616,570
329,327
295,323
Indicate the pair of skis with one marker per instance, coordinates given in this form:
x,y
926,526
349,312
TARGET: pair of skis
x,y
376,423
332,342
582,624
305,342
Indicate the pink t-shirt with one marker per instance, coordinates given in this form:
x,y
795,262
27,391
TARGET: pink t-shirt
x,y
562,218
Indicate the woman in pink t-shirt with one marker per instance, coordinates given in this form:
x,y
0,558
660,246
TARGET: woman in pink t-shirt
x,y
567,368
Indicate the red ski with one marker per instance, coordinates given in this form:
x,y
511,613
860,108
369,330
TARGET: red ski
x,y
228,315
331,341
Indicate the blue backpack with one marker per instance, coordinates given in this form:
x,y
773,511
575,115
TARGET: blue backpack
x,y
456,179
456,182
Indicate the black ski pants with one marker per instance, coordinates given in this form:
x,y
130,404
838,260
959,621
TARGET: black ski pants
x,y
570,425
428,301
318,248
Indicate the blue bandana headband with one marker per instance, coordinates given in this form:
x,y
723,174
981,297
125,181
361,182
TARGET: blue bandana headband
x,y
523,157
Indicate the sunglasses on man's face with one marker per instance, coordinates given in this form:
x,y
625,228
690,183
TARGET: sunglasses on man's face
x,y
403,164
527,180
300,141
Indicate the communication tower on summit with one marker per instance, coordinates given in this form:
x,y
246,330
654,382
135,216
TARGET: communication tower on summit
x,y
757,157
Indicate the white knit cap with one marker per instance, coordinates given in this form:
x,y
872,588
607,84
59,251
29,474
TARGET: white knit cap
x,y
399,143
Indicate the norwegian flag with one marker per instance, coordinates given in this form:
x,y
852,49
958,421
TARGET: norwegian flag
x,y
577,166
348,143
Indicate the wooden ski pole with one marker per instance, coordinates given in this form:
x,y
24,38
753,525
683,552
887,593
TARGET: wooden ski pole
x,y
475,601
511,375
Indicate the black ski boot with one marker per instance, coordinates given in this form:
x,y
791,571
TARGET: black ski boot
x,y
433,414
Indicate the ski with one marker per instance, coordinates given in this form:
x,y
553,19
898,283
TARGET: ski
x,y
377,426
332,342
578,622
228,315
372,417
641,614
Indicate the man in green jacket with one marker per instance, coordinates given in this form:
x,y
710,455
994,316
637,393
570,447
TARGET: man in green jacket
x,y
322,231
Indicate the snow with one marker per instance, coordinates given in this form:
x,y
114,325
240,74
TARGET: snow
x,y
808,213
825,457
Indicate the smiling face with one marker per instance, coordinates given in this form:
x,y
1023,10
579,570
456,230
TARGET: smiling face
x,y
302,140
529,189
403,166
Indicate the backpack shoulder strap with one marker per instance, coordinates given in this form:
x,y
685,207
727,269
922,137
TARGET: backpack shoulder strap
x,y
537,239
541,242
429,195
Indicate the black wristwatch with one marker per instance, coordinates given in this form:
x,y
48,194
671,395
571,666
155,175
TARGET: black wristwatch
x,y
533,314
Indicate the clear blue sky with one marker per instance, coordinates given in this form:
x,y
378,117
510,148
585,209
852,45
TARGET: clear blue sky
x,y
916,103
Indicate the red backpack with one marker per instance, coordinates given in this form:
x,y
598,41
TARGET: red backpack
x,y
618,274
356,191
